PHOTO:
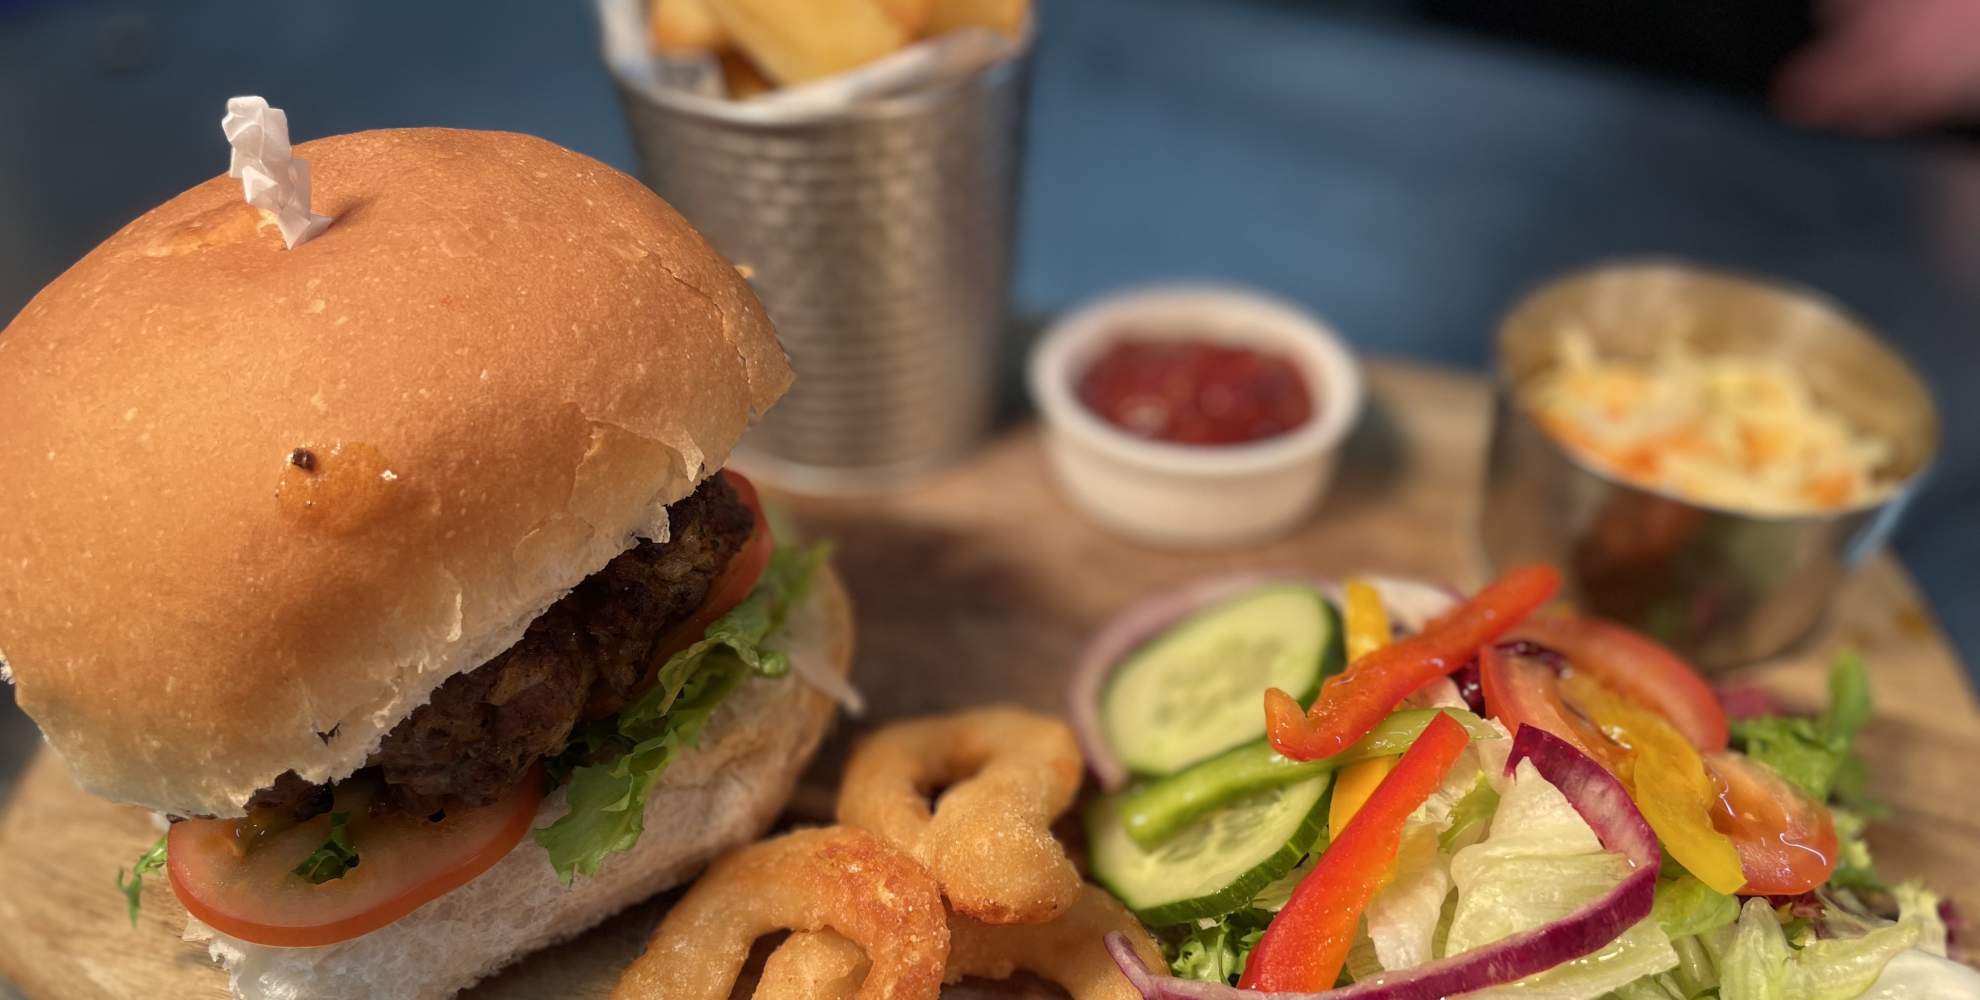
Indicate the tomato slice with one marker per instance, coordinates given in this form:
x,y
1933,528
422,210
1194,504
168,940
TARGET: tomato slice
x,y
403,862
1786,840
1523,692
1638,668
738,577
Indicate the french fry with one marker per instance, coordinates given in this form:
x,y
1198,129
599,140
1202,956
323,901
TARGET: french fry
x,y
1006,16
793,41
911,15
741,77
685,27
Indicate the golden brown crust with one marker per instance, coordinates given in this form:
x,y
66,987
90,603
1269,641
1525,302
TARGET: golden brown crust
x,y
501,358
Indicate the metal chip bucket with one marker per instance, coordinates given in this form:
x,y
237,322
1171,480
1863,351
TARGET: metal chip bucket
x,y
880,240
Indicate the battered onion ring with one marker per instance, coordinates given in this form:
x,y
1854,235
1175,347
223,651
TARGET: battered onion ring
x,y
812,965
989,841
839,878
1070,951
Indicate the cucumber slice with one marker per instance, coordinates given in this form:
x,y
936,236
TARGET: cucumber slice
x,y
1195,691
1214,865
1157,810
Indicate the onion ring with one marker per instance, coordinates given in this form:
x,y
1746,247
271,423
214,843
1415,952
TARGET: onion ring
x,y
839,878
989,840
1070,950
813,965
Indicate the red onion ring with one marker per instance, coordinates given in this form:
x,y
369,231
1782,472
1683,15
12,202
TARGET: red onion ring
x,y
1600,800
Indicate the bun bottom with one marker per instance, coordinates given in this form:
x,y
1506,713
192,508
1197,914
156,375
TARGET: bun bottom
x,y
725,793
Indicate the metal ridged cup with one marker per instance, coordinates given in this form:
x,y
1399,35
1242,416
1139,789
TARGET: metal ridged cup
x,y
1722,586
880,239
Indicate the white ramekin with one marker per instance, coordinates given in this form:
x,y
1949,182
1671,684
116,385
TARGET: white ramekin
x,y
1187,496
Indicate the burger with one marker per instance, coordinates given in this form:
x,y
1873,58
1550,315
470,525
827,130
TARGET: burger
x,y
398,572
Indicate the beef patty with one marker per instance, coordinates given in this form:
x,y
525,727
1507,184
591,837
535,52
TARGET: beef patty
x,y
581,658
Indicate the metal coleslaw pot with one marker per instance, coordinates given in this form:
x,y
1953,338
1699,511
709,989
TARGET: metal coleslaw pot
x,y
1722,586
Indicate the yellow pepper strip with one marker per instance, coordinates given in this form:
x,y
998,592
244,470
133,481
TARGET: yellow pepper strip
x,y
1367,631
1367,620
1352,787
1667,780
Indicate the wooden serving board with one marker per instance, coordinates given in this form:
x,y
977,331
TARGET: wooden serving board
x,y
979,587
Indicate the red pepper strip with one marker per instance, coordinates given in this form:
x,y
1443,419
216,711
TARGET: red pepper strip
x,y
1306,944
1352,702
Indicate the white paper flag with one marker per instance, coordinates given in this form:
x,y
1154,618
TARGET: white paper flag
x,y
271,177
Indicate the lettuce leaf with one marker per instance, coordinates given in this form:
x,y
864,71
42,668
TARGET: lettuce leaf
x,y
1402,920
610,768
1759,964
608,801
1849,696
1540,862
150,862
741,633
1817,754
335,857
1853,958
1215,951
1756,960
1686,906
1660,987
1921,906
1695,975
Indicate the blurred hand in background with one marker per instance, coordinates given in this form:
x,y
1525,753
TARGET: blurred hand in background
x,y
1882,66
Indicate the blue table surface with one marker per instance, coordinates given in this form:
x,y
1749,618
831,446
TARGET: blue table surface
x,y
1405,181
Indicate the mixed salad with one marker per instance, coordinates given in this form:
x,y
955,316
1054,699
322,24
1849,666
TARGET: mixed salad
x,y
1477,797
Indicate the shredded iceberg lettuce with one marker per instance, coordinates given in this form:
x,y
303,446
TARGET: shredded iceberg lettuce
x,y
1537,861
1404,920
1540,862
1854,958
1757,962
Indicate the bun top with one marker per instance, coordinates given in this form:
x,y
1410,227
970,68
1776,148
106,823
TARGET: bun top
x,y
257,503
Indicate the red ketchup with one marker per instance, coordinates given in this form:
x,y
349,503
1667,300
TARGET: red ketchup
x,y
1195,392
